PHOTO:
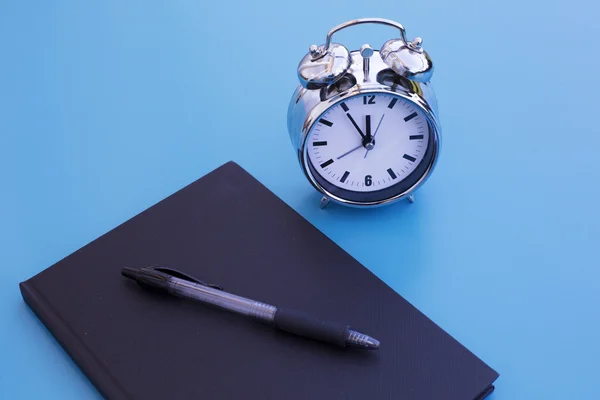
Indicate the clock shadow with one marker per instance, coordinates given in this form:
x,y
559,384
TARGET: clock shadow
x,y
393,241
312,202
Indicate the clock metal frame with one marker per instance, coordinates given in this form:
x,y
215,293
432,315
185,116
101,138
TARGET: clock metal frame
x,y
306,107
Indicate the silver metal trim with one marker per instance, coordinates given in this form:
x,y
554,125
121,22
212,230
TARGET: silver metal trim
x,y
324,202
366,52
321,108
307,105
317,52
367,74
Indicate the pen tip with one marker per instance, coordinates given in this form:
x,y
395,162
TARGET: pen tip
x,y
360,340
374,344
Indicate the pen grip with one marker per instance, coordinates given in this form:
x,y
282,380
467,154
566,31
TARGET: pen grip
x,y
305,325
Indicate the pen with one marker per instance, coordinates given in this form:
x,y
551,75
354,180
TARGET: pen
x,y
296,322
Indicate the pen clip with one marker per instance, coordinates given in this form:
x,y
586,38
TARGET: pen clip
x,y
181,275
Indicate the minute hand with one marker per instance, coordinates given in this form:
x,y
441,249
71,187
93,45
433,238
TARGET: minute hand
x,y
355,125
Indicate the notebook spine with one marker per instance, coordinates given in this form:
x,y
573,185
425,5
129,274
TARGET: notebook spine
x,y
83,358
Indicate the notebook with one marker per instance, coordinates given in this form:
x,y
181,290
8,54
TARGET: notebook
x,y
229,229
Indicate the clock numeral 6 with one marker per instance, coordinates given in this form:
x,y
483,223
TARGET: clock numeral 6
x,y
368,180
369,99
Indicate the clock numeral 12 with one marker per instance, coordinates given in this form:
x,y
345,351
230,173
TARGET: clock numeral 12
x,y
368,180
370,100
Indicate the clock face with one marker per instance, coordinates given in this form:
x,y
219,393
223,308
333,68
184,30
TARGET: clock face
x,y
369,143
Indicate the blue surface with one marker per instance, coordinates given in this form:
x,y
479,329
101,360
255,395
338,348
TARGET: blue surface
x,y
108,107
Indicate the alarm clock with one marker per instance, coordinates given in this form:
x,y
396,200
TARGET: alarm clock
x,y
365,123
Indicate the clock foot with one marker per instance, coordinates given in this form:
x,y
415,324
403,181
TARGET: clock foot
x,y
324,202
411,198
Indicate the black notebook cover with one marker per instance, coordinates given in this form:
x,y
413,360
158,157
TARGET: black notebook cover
x,y
227,228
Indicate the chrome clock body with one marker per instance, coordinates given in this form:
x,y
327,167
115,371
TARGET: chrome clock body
x,y
367,74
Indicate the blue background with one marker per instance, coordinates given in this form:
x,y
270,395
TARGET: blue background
x,y
108,107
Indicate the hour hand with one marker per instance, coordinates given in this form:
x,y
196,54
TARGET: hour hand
x,y
355,125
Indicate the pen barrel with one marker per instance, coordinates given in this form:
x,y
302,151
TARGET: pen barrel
x,y
218,298
262,312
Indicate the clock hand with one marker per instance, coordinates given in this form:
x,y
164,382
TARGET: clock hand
x,y
368,126
378,125
350,151
355,125
375,134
